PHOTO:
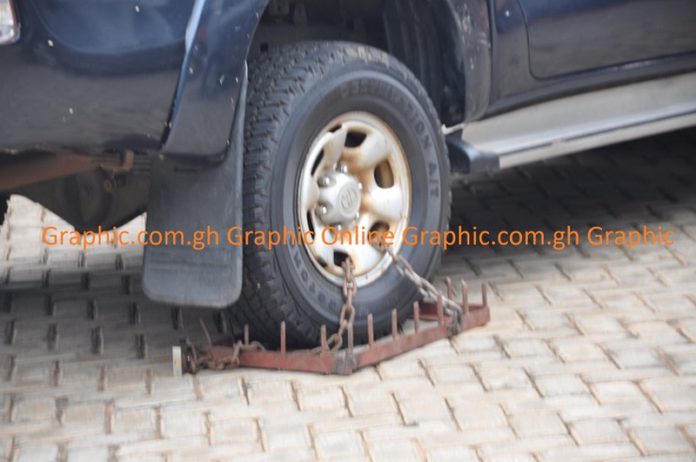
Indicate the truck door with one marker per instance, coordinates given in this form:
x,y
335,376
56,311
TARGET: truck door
x,y
567,36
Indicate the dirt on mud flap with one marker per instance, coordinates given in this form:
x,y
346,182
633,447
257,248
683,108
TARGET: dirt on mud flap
x,y
439,316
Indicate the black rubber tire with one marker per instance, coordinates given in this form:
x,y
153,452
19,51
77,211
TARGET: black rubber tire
x,y
295,90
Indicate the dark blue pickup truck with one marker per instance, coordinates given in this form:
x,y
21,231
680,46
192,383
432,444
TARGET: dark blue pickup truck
x,y
319,118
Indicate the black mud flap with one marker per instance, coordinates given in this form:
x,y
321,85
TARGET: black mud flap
x,y
197,202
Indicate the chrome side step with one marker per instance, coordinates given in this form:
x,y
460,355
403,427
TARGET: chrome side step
x,y
576,123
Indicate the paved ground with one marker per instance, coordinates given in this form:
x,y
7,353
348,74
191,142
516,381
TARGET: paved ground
x,y
591,354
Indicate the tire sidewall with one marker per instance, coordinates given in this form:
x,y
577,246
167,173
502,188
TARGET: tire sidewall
x,y
381,91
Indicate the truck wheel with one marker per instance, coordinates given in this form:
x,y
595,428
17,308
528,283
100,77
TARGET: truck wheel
x,y
338,136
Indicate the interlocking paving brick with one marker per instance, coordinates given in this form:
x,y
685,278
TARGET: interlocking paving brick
x,y
475,343
88,454
656,332
560,385
321,398
220,386
175,426
269,391
521,457
142,448
285,437
601,452
479,415
453,453
539,320
234,431
91,415
501,377
451,374
537,424
400,368
339,444
419,409
656,441
629,356
527,445
497,436
395,450
618,392
37,452
600,324
375,402
522,348
34,409
142,458
589,356
671,394
578,350
140,420
597,431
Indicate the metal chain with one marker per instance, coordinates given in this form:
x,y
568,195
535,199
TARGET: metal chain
x,y
346,320
429,292
348,312
232,361
198,359
229,362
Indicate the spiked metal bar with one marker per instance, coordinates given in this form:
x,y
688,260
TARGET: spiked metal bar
x,y
430,324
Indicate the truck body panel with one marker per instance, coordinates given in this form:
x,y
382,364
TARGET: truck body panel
x,y
92,75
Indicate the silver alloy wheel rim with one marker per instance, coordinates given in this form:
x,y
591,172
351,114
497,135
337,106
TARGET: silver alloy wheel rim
x,y
354,179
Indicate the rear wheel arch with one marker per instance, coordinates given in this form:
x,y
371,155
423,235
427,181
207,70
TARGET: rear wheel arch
x,y
445,43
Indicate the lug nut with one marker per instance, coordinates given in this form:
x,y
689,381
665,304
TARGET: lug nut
x,y
326,181
343,168
323,210
360,186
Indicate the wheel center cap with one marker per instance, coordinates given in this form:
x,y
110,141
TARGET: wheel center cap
x,y
349,200
341,198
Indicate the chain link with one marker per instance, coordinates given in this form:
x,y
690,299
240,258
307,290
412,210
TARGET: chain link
x,y
429,292
232,361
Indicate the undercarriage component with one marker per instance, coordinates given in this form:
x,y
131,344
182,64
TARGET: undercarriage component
x,y
108,191
32,168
